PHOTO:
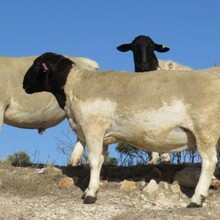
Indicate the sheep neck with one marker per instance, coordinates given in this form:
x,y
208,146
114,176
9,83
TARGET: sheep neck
x,y
61,97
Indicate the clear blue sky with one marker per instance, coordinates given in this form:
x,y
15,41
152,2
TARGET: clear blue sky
x,y
94,29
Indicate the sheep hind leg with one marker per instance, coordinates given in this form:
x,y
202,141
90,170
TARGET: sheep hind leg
x,y
208,154
77,153
165,158
155,157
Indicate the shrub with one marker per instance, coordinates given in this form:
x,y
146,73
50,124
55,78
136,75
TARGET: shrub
x,y
19,159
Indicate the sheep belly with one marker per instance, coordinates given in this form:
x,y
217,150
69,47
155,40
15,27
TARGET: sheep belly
x,y
153,129
161,142
35,117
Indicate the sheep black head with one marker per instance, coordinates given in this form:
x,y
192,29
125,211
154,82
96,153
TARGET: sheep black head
x,y
143,48
48,73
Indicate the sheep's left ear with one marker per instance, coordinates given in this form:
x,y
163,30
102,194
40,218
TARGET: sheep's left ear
x,y
161,48
65,64
124,47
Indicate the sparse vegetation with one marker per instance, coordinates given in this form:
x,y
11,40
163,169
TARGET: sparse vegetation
x,y
21,159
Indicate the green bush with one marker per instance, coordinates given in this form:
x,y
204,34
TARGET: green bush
x,y
19,159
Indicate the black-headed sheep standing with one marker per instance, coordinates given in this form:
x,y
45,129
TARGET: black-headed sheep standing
x,y
178,109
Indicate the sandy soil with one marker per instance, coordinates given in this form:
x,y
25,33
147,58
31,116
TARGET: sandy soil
x,y
33,193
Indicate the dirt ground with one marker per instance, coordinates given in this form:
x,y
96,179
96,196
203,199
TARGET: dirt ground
x,y
33,193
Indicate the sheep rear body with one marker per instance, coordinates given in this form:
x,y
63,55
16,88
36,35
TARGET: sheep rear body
x,y
151,119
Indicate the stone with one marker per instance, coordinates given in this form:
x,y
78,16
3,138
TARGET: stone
x,y
141,183
164,185
188,177
175,188
128,186
65,182
151,188
215,183
50,170
103,182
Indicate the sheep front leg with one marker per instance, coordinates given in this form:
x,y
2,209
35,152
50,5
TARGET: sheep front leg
x,y
94,138
208,155
96,159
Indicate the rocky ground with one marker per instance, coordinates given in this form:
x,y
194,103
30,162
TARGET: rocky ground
x,y
141,192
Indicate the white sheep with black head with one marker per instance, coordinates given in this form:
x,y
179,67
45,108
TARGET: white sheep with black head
x,y
168,110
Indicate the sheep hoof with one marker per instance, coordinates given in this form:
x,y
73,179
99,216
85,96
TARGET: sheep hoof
x,y
194,205
89,200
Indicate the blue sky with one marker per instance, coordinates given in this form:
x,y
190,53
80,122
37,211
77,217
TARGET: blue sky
x,y
94,29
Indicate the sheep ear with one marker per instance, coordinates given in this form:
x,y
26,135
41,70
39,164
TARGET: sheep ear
x,y
161,48
65,64
124,47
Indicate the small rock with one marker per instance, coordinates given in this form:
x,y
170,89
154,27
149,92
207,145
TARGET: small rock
x,y
141,183
50,170
128,186
64,182
41,171
175,188
215,183
164,185
188,177
151,187
103,182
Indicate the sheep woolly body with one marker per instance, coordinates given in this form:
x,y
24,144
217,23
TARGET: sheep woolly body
x,y
36,111
166,65
155,157
171,65
172,101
